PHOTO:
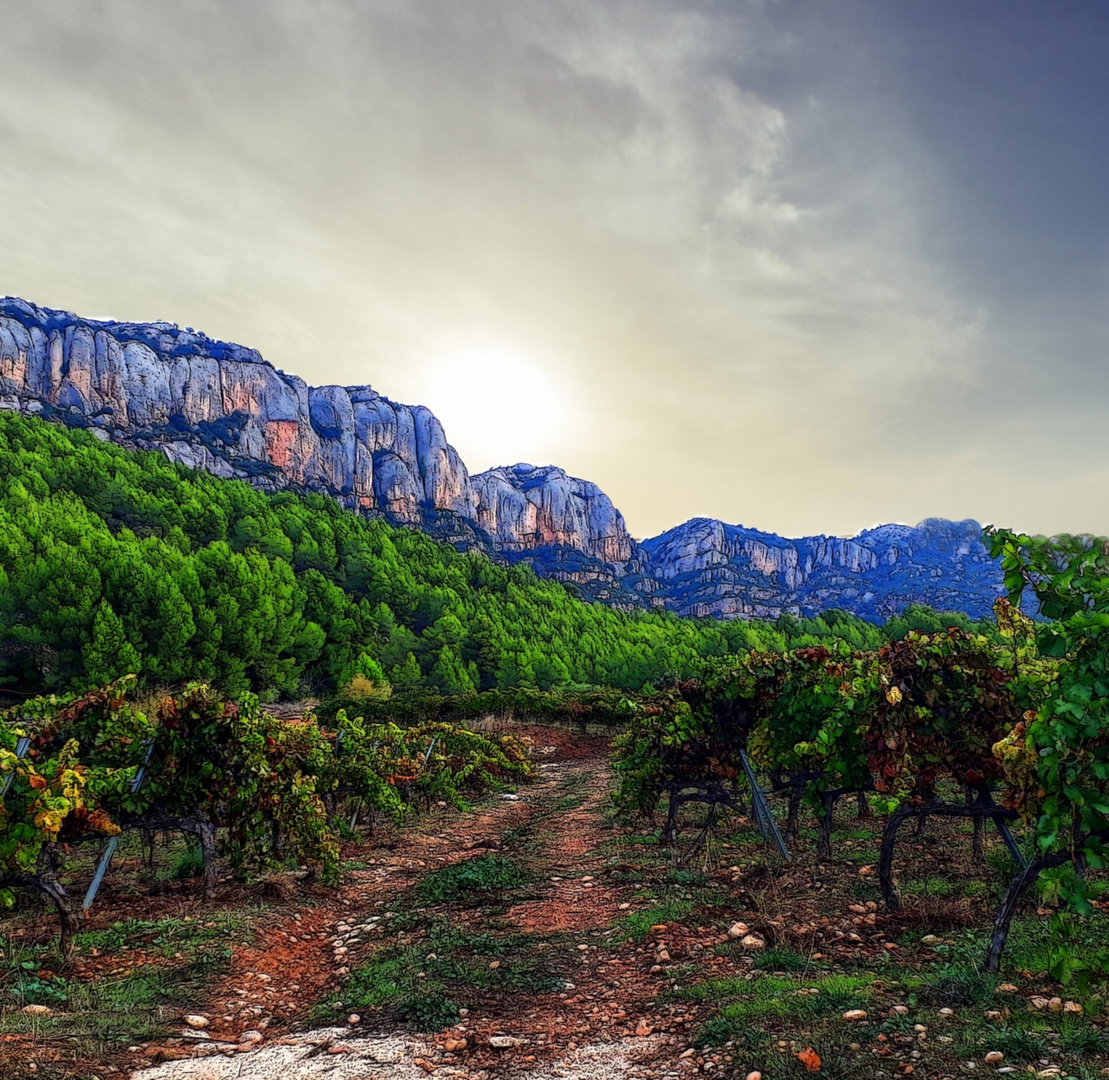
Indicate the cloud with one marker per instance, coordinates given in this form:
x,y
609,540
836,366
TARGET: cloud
x,y
700,219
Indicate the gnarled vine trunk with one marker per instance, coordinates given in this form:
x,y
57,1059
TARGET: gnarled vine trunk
x,y
48,886
1017,888
982,808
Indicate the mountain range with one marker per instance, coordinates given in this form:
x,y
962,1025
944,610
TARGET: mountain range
x,y
221,407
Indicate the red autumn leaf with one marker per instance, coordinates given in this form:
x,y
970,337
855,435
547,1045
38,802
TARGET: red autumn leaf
x,y
810,1059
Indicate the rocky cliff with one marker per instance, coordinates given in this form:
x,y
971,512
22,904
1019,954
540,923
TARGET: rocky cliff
x,y
522,507
705,567
222,408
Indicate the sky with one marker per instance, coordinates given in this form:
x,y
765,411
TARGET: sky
x,y
802,266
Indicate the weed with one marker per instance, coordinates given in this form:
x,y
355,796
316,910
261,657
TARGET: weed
x,y
189,864
687,877
427,1012
467,882
999,859
31,989
638,925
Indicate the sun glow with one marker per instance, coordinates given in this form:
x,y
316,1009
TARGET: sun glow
x,y
498,406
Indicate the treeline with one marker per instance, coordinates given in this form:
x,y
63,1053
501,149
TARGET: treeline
x,y
113,562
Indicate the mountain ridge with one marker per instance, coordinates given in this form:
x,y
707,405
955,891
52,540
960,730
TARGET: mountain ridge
x,y
222,407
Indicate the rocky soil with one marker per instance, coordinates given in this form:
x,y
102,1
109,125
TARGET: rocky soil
x,y
604,1021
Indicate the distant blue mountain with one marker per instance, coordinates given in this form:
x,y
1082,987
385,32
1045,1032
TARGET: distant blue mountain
x,y
705,567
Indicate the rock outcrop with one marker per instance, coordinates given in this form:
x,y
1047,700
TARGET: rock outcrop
x,y
222,408
522,507
705,567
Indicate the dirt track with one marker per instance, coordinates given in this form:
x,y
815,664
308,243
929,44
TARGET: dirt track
x,y
602,1023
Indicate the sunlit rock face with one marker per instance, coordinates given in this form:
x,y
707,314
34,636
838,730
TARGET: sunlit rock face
x,y
222,408
522,507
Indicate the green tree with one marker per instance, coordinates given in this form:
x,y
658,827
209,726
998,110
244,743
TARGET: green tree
x,y
108,655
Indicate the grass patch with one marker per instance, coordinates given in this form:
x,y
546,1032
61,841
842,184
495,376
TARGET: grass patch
x,y
471,881
932,886
99,1015
424,985
1017,1044
1081,1037
712,989
638,925
960,984
166,937
763,1001
1028,1038
782,959
189,864
107,1012
381,981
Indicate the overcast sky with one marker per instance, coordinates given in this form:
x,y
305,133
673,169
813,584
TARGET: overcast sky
x,y
800,265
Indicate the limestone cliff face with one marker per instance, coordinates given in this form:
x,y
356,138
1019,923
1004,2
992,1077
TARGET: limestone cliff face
x,y
222,408
522,507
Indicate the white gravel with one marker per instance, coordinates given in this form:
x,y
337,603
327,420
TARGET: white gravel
x,y
391,1056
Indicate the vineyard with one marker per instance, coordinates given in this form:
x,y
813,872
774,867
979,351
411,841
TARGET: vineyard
x,y
1004,732
1024,720
83,769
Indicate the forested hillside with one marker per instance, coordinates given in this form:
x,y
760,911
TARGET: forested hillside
x,y
113,561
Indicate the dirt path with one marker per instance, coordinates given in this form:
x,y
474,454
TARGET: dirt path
x,y
598,1020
